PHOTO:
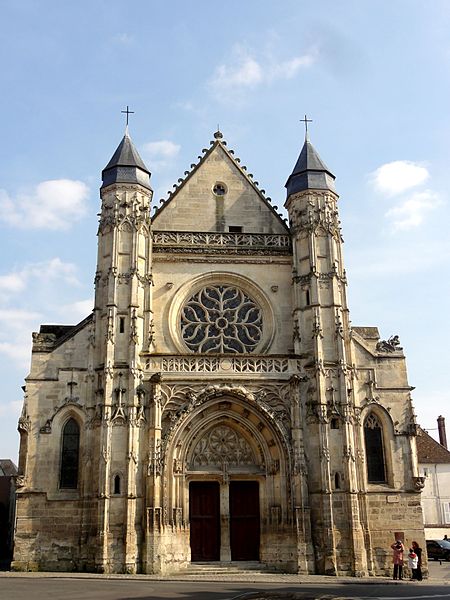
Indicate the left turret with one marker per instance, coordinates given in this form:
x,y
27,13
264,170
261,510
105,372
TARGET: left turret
x,y
123,277
123,329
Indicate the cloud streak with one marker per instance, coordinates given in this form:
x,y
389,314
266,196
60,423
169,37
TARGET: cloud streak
x,y
412,212
246,72
160,154
54,204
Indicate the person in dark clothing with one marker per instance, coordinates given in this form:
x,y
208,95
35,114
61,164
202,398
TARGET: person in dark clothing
x,y
417,573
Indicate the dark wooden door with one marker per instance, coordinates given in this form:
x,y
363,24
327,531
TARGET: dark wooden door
x,y
244,520
204,517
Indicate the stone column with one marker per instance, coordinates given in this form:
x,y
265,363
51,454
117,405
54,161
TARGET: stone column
x,y
225,547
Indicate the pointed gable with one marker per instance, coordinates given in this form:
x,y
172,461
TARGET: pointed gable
x,y
216,195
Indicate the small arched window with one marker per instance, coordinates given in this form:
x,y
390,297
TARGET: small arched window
x,y
373,438
117,484
70,450
337,481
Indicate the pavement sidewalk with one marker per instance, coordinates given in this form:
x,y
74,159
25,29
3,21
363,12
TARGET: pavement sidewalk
x,y
439,575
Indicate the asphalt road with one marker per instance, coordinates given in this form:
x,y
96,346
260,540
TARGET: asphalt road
x,y
53,588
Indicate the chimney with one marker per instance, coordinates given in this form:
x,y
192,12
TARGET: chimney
x,y
441,428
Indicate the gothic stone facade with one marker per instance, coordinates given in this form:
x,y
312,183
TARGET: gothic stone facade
x,y
217,404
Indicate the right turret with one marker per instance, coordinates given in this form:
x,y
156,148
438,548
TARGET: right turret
x,y
322,341
320,302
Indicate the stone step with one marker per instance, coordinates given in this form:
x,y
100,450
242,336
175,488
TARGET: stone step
x,y
226,568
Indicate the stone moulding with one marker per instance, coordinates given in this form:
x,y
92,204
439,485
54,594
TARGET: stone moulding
x,y
231,364
219,243
193,238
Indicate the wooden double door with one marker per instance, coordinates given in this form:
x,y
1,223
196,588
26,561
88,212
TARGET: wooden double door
x,y
207,526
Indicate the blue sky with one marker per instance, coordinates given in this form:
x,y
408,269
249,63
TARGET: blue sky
x,y
373,76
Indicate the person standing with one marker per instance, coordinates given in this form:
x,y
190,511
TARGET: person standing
x,y
397,558
418,550
412,563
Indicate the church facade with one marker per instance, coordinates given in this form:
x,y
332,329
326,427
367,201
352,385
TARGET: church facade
x,y
217,405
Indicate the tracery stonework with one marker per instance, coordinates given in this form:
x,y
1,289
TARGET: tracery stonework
x,y
221,446
221,319
219,390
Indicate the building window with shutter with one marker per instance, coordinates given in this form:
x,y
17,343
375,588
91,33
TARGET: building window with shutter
x,y
446,511
373,438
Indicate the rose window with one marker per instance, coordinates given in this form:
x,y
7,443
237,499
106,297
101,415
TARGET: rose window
x,y
221,319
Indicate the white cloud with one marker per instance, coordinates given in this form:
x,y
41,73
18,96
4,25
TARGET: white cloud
x,y
246,72
76,311
12,408
411,212
32,295
160,154
53,204
12,283
124,38
398,176
44,272
16,325
162,149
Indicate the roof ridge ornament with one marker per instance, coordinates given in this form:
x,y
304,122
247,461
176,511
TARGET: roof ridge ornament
x,y
218,135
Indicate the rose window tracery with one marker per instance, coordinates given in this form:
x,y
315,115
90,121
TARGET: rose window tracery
x,y
222,319
222,445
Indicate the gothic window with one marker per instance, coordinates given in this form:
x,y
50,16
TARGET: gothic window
x,y
222,319
70,449
117,484
373,438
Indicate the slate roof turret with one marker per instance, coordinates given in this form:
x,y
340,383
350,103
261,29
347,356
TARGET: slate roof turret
x,y
126,166
310,172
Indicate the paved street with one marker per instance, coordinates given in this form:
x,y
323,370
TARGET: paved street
x,y
48,586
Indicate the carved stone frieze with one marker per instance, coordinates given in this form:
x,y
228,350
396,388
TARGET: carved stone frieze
x,y
315,219
219,445
186,242
271,401
203,364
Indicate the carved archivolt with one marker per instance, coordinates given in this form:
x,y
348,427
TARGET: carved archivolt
x,y
222,445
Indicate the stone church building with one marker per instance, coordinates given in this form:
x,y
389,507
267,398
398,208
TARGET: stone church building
x,y
217,405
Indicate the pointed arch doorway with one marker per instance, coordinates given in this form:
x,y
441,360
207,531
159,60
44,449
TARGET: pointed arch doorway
x,y
224,521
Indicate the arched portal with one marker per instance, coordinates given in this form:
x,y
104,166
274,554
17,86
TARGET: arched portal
x,y
228,461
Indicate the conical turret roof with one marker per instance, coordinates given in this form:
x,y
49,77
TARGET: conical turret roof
x,y
310,172
126,166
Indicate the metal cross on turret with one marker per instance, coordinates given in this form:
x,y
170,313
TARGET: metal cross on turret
x,y
131,112
305,121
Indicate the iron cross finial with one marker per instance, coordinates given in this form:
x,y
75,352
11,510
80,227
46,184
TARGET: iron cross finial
x,y
306,121
127,112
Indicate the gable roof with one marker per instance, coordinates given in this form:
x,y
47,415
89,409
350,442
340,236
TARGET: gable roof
x,y
429,450
214,144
